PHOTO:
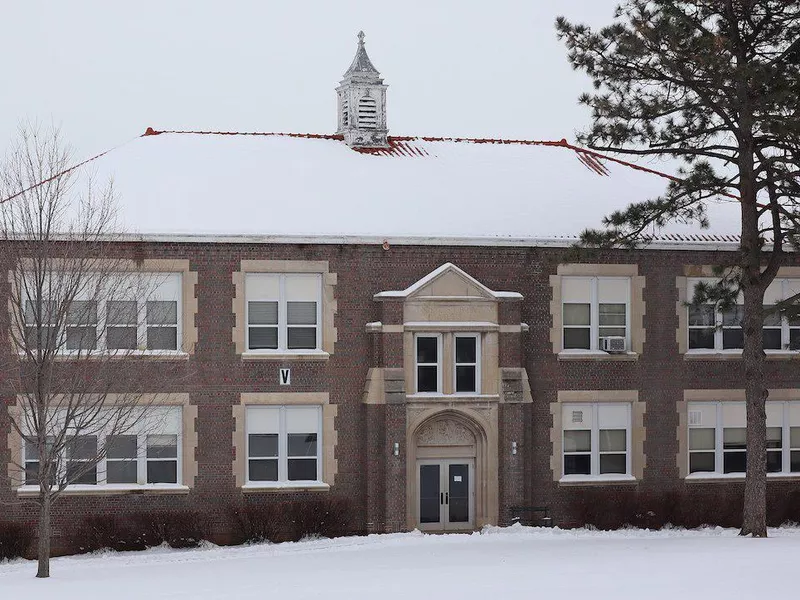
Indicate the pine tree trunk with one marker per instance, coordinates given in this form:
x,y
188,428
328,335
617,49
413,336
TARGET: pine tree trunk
x,y
43,549
754,518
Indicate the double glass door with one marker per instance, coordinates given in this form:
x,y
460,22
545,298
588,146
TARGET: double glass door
x,y
445,494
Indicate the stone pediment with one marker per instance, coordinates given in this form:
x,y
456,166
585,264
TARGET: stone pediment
x,y
448,281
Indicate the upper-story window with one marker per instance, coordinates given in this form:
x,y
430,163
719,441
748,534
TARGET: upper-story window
x,y
464,367
367,113
467,359
714,329
718,437
596,313
283,311
139,312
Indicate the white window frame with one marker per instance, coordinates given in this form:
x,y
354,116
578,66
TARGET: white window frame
x,y
283,447
594,469
141,318
141,431
283,325
439,362
476,364
719,452
594,313
785,327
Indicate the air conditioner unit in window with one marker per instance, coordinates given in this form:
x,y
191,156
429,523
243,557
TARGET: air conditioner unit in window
x,y
612,343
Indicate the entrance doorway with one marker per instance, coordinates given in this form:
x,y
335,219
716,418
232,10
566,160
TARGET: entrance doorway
x,y
446,494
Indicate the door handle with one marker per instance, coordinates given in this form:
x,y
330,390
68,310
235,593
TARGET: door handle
x,y
441,498
447,497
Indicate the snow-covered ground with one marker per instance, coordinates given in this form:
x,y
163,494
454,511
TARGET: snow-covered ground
x,y
517,562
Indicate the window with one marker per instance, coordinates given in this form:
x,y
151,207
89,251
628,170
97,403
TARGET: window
x,y
345,113
31,453
149,453
82,455
467,372
594,308
82,325
106,322
596,439
283,312
712,329
428,356
367,113
283,443
717,437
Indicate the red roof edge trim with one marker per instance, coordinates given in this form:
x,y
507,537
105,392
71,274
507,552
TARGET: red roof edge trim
x,y
311,136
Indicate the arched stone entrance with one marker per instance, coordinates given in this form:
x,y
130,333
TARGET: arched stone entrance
x,y
452,473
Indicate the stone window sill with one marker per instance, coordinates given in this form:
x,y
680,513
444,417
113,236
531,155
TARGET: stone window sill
x,y
280,355
424,397
287,486
592,480
122,355
32,491
598,355
738,477
737,355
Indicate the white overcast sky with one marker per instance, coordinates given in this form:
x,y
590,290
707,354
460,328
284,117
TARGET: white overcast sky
x,y
104,71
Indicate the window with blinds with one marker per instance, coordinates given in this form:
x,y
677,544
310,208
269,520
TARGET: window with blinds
x,y
596,439
283,443
594,308
283,311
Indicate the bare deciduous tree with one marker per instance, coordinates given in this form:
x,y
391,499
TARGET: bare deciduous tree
x,y
81,324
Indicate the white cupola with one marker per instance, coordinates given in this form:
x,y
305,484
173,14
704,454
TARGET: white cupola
x,y
362,103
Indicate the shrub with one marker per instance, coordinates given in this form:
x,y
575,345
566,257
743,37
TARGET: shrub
x,y
293,520
137,531
268,523
328,518
15,539
179,529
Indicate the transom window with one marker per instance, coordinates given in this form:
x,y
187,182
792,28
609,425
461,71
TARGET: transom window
x,y
284,443
114,321
595,308
717,437
149,453
283,311
713,329
596,439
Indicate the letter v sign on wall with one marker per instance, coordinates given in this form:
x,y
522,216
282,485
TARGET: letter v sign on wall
x,y
285,376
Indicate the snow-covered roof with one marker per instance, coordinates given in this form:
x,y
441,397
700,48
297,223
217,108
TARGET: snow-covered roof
x,y
217,184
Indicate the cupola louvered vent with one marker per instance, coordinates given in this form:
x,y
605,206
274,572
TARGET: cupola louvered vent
x,y
345,113
367,113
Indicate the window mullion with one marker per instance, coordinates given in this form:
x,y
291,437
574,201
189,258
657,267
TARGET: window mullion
x,y
718,446
717,329
594,315
785,440
283,447
594,440
282,310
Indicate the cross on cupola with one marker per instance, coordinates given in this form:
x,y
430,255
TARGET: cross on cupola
x,y
362,102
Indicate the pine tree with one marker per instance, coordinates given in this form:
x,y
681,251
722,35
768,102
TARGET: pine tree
x,y
715,85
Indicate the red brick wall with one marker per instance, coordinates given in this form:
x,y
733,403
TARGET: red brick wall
x,y
368,473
